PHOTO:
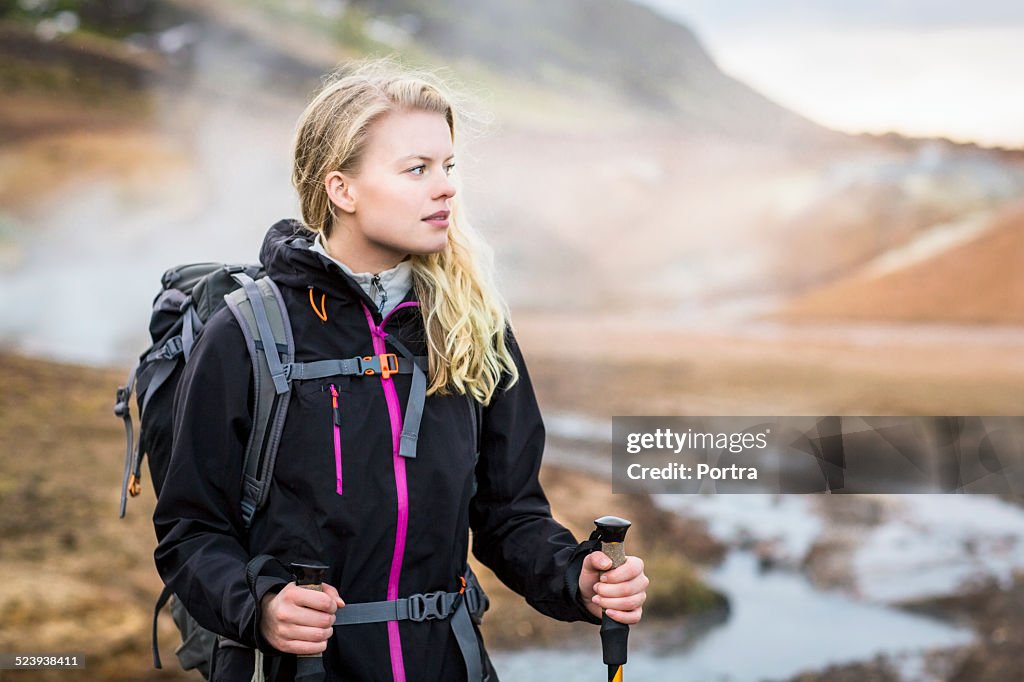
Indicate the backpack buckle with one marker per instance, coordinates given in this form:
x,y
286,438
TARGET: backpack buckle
x,y
428,606
122,408
385,364
388,364
172,348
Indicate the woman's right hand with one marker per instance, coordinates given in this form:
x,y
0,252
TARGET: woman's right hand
x,y
297,620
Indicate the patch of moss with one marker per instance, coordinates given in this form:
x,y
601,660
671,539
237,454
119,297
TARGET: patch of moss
x,y
676,589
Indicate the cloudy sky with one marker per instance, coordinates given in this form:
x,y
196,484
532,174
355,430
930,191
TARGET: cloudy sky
x,y
921,67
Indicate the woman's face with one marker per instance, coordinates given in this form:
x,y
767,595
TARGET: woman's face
x,y
397,203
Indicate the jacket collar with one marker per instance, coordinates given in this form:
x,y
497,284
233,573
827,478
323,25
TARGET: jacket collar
x,y
289,261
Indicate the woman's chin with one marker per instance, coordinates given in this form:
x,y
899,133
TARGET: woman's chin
x,y
429,248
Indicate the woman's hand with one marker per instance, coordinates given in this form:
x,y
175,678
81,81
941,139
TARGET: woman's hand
x,y
620,592
297,620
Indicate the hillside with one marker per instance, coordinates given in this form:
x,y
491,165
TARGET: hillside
x,y
615,46
613,52
980,282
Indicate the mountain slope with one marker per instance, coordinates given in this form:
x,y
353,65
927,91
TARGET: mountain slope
x,y
629,49
979,282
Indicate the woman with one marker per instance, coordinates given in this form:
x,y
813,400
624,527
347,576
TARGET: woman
x,y
382,263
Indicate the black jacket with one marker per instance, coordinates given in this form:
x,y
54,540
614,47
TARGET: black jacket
x,y
203,547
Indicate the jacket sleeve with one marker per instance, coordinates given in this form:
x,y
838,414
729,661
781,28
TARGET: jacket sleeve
x,y
202,552
513,532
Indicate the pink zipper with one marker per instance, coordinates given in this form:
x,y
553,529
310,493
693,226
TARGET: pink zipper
x,y
377,334
336,414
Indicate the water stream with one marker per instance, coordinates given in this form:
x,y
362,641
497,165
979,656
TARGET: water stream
x,y
779,624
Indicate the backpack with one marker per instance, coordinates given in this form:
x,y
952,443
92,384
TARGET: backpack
x,y
189,296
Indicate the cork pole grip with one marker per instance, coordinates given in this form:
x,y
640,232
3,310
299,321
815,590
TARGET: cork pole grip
x,y
616,551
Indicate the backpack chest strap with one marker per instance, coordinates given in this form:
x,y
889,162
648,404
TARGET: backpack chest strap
x,y
374,365
455,607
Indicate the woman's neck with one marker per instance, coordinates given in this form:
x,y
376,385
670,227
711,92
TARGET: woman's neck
x,y
359,256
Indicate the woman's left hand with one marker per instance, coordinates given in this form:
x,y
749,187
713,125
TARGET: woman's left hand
x,y
620,592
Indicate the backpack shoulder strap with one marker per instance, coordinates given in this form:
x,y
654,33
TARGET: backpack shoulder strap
x,y
417,398
262,315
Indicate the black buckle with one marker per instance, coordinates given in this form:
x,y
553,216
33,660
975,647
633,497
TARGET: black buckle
x,y
172,348
369,365
121,406
428,606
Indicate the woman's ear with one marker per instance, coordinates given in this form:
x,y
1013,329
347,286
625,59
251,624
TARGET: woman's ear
x,y
339,190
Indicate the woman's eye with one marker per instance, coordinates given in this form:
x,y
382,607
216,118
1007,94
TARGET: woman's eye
x,y
422,168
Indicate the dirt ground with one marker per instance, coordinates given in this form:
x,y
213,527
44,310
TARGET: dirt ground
x,y
620,365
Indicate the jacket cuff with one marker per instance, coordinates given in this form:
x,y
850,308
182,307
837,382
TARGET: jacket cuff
x,y
572,580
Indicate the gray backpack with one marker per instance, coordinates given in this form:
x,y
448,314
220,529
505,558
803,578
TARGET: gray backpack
x,y
189,296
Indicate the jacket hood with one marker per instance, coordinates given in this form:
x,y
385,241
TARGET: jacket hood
x,y
289,261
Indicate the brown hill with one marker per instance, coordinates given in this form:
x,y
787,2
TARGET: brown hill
x,y
980,282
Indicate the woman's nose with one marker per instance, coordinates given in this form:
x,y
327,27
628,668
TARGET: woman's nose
x,y
446,188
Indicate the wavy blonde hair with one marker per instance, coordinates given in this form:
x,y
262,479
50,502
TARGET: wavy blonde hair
x,y
464,316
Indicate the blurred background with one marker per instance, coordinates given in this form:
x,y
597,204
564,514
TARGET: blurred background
x,y
697,208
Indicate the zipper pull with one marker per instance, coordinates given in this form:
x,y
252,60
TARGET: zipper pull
x,y
334,406
383,293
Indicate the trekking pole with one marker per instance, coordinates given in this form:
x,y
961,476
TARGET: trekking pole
x,y
309,667
611,531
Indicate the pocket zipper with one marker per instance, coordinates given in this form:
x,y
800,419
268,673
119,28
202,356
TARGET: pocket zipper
x,y
336,413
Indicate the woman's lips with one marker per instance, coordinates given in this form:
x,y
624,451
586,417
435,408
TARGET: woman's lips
x,y
439,219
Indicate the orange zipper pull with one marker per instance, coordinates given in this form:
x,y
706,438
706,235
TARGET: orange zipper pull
x,y
334,406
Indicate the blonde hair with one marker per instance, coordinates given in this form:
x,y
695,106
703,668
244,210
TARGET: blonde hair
x,y
464,316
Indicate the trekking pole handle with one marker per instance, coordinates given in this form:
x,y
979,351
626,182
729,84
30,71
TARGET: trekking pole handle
x,y
309,577
612,532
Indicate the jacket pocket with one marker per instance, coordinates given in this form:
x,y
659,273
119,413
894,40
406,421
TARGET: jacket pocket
x,y
336,424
